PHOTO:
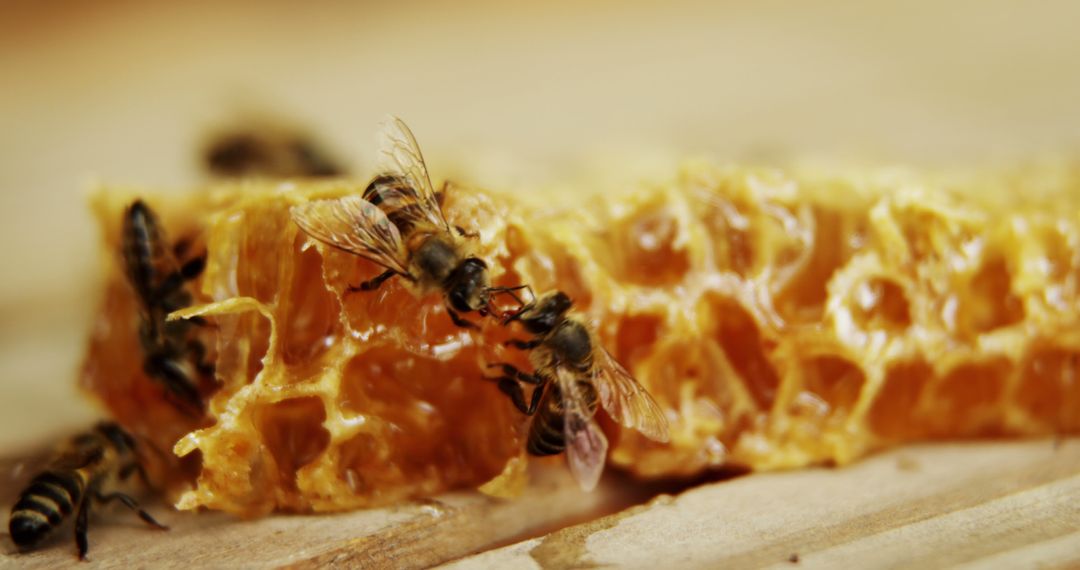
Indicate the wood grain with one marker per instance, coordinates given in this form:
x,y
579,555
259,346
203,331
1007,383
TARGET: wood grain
x,y
1013,504
1003,504
414,535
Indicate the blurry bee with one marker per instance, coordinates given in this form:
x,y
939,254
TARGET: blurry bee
x,y
172,356
80,470
399,224
573,373
268,151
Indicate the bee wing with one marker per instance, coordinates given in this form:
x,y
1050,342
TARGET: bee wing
x,y
586,446
625,400
354,225
399,156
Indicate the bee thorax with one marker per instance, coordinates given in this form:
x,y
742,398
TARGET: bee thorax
x,y
436,259
571,343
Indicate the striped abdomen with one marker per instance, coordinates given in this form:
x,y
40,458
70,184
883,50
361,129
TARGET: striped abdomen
x,y
547,436
399,201
142,248
49,499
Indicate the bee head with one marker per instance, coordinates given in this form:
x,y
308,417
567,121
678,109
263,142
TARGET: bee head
x,y
467,287
547,312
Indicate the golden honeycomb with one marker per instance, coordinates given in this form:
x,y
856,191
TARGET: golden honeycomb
x,y
780,318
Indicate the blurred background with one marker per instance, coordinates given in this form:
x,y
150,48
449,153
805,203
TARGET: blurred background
x,y
517,97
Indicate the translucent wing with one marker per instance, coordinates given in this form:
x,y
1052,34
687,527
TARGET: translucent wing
x,y
626,401
400,158
354,225
586,446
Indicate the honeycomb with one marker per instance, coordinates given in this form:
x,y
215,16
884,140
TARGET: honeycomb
x,y
780,318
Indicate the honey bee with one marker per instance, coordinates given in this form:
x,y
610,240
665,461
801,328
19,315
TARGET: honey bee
x,y
79,472
172,355
572,374
264,150
398,223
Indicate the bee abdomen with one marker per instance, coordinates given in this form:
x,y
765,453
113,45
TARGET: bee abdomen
x,y
546,437
50,498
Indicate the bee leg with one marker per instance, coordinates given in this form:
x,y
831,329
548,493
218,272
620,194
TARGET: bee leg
x,y
136,468
81,522
512,389
169,286
522,305
173,378
460,321
374,283
198,356
132,468
131,504
523,344
181,247
514,373
193,268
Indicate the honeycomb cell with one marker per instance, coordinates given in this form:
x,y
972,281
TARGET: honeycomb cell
x,y
881,304
729,226
835,380
637,334
1048,387
293,431
990,304
360,459
966,399
802,299
264,227
895,414
244,340
739,335
310,312
428,414
650,248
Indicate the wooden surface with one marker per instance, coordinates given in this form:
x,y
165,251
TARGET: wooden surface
x,y
124,91
987,505
1003,504
413,535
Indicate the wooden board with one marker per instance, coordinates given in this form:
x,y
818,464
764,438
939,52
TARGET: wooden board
x,y
413,535
1004,504
984,505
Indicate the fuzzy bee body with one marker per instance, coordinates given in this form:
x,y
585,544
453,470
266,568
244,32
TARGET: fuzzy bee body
x,y
76,475
268,151
172,355
574,376
547,434
398,223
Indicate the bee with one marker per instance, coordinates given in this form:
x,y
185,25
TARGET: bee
x,y
268,151
172,355
573,374
398,224
78,473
